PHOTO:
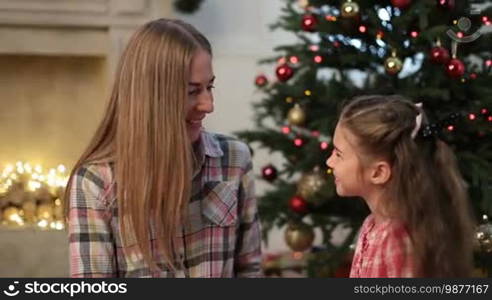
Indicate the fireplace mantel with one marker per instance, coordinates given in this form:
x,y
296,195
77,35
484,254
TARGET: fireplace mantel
x,y
74,27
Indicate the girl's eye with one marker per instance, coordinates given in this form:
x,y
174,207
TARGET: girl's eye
x,y
193,92
210,87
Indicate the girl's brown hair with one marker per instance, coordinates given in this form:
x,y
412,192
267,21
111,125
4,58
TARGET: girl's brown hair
x,y
144,134
426,190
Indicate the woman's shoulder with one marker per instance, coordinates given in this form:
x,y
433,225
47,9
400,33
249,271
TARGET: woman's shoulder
x,y
229,145
98,173
93,184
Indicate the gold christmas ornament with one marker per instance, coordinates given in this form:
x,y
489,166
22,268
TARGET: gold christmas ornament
x,y
29,208
393,64
299,236
303,3
349,9
296,115
310,183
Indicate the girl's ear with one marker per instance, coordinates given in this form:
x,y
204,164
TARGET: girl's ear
x,y
380,172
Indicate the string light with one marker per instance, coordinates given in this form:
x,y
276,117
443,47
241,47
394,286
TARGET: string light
x,y
32,178
331,18
294,59
298,142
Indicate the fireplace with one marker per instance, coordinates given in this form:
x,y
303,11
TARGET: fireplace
x,y
57,58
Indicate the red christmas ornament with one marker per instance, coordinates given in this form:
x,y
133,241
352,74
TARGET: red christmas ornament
x,y
472,117
286,130
486,21
284,72
324,145
343,271
445,4
362,29
309,22
455,68
439,55
298,205
318,59
269,173
401,3
261,80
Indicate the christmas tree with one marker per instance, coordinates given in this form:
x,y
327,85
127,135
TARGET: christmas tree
x,y
437,52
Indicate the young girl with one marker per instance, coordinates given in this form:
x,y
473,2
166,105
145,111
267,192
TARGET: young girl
x,y
154,195
419,224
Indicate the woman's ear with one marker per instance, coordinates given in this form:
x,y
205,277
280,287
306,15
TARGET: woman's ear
x,y
380,172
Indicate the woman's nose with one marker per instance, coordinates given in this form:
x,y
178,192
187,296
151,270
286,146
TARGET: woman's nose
x,y
206,103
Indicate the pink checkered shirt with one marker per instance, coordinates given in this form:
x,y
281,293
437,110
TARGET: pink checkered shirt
x,y
383,250
220,238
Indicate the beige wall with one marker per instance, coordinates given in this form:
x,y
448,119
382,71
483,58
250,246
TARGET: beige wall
x,y
49,106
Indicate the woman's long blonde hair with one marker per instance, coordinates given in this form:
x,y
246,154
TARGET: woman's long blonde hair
x,y
426,189
144,134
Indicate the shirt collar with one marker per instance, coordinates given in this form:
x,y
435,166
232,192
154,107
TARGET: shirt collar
x,y
208,145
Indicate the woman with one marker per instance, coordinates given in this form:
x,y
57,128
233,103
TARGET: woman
x,y
154,195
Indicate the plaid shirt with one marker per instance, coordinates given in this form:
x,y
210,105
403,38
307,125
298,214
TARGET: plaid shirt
x,y
383,250
220,238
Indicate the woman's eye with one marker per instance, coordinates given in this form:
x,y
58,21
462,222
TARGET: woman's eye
x,y
193,92
210,87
